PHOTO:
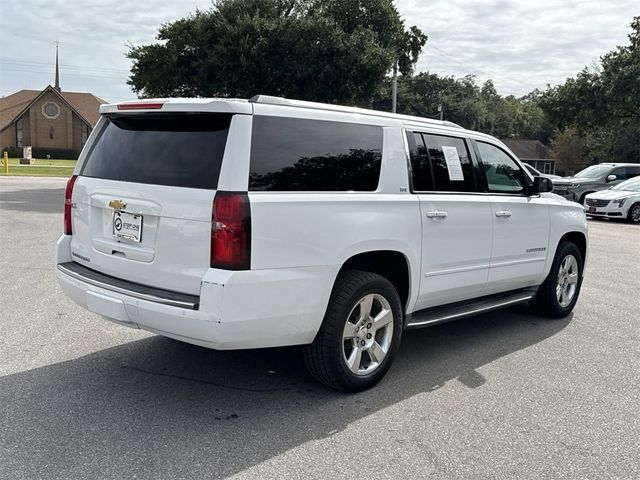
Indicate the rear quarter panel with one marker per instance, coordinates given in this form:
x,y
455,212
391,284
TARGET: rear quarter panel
x,y
308,229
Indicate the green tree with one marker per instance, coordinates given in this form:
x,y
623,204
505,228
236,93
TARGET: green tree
x,y
570,149
534,123
421,94
467,104
322,50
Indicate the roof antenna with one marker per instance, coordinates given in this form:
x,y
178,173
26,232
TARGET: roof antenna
x,y
57,87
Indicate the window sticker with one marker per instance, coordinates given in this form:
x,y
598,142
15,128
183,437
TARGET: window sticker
x,y
454,167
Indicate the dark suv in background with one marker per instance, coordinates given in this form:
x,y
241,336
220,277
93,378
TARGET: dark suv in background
x,y
593,179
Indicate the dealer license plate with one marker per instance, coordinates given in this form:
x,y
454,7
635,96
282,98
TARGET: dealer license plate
x,y
127,226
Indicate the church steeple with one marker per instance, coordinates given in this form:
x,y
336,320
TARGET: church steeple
x,y
57,87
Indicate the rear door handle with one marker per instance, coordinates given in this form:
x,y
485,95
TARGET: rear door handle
x,y
437,214
503,213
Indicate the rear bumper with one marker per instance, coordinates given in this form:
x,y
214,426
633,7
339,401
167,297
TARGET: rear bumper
x,y
112,284
235,310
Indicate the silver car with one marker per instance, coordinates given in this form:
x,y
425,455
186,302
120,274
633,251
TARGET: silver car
x,y
593,179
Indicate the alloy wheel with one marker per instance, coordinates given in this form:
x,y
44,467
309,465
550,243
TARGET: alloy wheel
x,y
567,283
367,334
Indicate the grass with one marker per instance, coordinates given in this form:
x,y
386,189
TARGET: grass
x,y
41,168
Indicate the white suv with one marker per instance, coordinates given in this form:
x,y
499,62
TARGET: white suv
x,y
237,224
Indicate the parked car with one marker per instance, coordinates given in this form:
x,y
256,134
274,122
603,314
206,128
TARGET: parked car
x,y
593,179
537,173
245,224
620,201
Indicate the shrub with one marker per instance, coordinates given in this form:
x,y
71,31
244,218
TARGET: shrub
x,y
54,153
14,152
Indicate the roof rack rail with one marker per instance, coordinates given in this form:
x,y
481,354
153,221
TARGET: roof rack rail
x,y
272,100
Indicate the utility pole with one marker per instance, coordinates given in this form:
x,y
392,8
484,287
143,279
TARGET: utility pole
x,y
441,111
394,87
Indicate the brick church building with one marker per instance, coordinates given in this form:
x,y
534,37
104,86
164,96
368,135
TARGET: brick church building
x,y
50,121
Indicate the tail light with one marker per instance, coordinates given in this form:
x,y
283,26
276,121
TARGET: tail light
x,y
67,205
140,106
231,231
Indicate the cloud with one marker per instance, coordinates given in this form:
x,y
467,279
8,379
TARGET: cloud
x,y
520,44
93,39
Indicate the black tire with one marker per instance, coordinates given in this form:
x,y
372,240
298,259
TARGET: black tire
x,y
325,357
634,213
546,302
583,198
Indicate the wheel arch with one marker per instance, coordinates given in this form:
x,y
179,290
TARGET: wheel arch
x,y
633,204
391,264
580,241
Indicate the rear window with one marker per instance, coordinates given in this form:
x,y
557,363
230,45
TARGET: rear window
x,y
293,154
440,163
176,150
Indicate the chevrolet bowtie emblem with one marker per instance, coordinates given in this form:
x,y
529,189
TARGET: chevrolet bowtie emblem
x,y
117,204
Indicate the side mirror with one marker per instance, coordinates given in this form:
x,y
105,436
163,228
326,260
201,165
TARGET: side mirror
x,y
540,185
611,178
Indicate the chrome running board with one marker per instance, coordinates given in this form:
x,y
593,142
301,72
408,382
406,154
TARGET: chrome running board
x,y
455,311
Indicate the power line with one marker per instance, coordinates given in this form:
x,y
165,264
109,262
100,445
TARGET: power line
x,y
70,74
67,66
110,98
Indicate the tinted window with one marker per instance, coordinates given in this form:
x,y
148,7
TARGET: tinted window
x,y
502,172
633,172
620,173
451,166
624,173
292,154
420,167
531,170
178,150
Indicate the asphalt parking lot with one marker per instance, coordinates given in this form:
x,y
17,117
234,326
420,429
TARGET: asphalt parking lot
x,y
504,395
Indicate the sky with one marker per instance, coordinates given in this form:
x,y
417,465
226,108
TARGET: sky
x,y
519,44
